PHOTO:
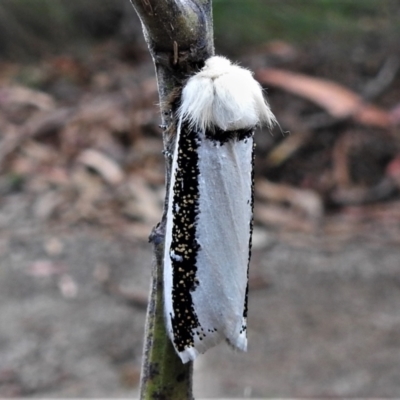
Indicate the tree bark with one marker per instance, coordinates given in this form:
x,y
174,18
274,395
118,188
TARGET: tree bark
x,y
179,34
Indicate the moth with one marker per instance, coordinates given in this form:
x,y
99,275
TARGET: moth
x,y
210,207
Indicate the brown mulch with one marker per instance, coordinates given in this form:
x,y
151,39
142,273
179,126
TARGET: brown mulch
x,y
83,142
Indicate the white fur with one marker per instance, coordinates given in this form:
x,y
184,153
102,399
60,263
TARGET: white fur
x,y
226,96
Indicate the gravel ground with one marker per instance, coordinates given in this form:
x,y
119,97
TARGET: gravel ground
x,y
325,325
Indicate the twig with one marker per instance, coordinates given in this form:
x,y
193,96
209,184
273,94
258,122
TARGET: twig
x,y
179,35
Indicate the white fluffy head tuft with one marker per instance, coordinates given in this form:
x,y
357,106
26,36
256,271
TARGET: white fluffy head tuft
x,y
226,96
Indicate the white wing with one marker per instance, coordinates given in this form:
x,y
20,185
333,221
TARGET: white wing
x,y
207,241
224,232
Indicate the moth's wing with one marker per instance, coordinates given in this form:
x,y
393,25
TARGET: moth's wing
x,y
224,234
205,288
181,246
168,267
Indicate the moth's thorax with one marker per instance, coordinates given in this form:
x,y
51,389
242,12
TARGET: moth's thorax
x,y
215,67
224,95
217,62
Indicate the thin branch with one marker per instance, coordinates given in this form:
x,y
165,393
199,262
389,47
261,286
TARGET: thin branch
x,y
179,35
187,22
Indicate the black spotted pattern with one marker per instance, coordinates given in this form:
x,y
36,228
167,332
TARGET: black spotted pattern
x,y
221,137
184,246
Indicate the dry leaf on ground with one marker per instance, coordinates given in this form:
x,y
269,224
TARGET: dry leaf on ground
x,y
107,168
337,100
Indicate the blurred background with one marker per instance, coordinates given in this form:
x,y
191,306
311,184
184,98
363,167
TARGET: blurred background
x,y
81,184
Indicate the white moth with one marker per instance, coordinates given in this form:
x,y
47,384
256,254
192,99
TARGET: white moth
x,y
210,208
